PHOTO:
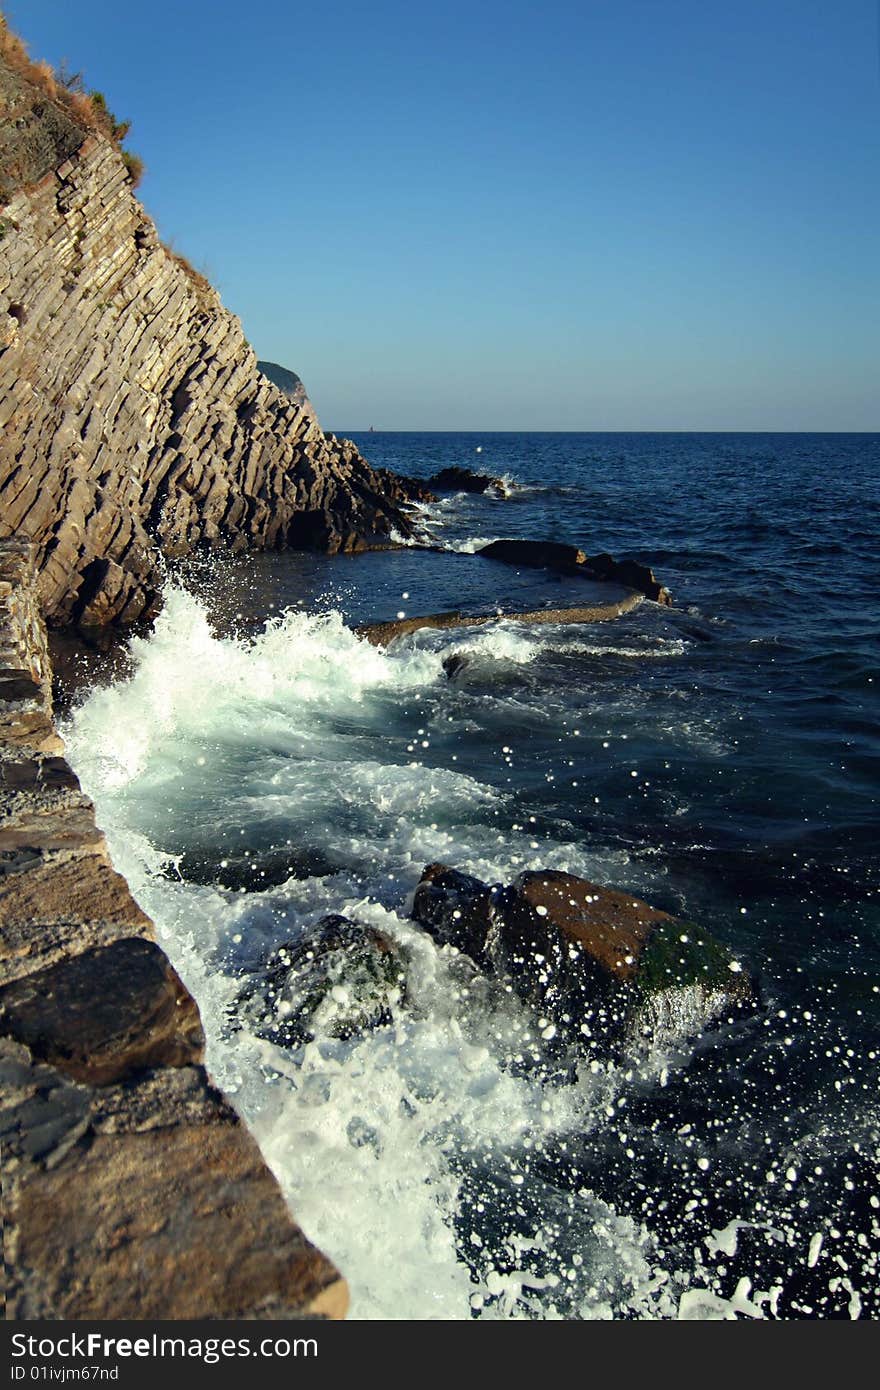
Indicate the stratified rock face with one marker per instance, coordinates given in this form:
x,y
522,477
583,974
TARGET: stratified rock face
x,y
133,418
604,966
130,1187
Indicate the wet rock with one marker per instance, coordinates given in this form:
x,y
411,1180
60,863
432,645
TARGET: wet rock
x,y
380,634
254,871
606,963
105,1013
550,555
568,559
458,910
130,1188
339,980
464,480
455,663
605,967
630,573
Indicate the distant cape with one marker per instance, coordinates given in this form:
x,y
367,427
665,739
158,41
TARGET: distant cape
x,y
286,381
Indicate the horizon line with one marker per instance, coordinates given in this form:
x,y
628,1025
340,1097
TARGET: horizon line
x,y
371,429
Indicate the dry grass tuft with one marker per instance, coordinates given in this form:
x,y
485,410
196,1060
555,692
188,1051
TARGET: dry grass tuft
x,y
88,109
200,281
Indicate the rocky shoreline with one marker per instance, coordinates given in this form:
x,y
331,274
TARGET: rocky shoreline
x,y
130,1187
139,428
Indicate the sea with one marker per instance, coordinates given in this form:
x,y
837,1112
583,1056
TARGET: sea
x,y
256,765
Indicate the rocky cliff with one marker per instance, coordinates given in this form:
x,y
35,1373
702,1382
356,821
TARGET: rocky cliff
x,y
135,422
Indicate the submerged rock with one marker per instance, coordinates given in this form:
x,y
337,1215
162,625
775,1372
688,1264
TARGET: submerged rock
x,y
339,980
568,559
603,966
252,871
380,634
464,480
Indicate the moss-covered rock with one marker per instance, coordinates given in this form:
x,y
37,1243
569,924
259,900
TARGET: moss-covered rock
x,y
605,967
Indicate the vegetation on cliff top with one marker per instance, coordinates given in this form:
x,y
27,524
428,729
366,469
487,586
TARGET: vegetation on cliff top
x,y
87,108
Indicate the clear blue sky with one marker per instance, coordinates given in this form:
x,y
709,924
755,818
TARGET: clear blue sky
x,y
598,214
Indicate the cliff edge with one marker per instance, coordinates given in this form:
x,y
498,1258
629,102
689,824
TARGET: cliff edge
x,y
135,421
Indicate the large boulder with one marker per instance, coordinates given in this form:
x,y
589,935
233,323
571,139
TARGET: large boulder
x,y
339,980
603,966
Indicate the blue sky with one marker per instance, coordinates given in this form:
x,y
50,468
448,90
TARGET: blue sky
x,y
611,214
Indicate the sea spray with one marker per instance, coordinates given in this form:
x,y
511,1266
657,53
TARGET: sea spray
x,y
415,1141
492,1180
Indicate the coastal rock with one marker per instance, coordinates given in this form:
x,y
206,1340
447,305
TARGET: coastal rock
x,y
130,1187
339,980
630,573
288,382
550,555
464,480
135,423
254,871
105,1013
568,559
380,634
458,910
144,1200
602,965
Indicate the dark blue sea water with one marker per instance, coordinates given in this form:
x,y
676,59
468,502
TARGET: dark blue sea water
x,y
721,758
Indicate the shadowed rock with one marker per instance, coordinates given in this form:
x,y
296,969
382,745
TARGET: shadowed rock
x,y
463,480
105,1013
568,559
255,871
338,980
458,910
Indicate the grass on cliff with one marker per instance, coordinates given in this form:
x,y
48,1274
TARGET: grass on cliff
x,y
88,109
200,281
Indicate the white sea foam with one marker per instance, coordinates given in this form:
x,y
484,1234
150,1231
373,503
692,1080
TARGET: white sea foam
x,y
411,1140
470,545
427,1140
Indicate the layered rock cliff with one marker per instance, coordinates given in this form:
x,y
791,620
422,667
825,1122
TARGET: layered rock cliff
x,y
135,422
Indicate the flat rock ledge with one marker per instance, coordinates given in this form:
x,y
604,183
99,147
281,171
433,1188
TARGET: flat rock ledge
x,y
381,634
131,1189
